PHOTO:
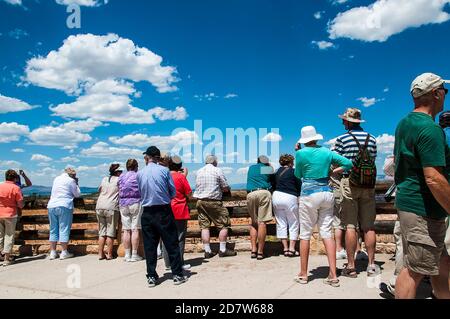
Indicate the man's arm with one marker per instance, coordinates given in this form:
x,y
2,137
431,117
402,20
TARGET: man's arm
x,y
439,186
172,189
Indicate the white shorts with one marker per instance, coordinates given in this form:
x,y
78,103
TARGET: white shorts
x,y
131,217
286,213
317,208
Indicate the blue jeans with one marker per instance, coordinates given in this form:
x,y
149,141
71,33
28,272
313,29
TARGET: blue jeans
x,y
60,224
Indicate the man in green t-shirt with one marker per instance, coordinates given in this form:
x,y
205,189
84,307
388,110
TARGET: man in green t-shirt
x,y
422,160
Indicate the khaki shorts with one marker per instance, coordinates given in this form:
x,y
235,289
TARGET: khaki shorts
x,y
358,206
259,204
7,234
423,243
212,212
337,223
108,221
131,217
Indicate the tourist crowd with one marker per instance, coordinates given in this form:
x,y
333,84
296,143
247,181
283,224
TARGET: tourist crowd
x,y
332,190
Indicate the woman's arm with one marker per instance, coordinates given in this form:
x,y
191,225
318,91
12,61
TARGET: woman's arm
x,y
342,163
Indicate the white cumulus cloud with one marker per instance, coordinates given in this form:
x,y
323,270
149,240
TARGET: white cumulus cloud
x,y
272,137
40,158
12,132
85,3
10,104
367,102
323,45
385,18
385,144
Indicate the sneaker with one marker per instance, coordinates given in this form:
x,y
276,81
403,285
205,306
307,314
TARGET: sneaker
x,y
373,270
2,257
209,255
391,289
127,259
186,267
361,255
135,258
227,253
7,263
66,255
152,282
341,254
53,255
178,280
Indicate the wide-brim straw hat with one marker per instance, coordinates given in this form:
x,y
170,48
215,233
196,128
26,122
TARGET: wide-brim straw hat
x,y
352,115
309,134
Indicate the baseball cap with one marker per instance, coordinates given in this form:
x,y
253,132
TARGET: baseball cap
x,y
153,151
425,83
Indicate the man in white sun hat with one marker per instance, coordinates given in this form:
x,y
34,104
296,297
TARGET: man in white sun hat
x,y
422,160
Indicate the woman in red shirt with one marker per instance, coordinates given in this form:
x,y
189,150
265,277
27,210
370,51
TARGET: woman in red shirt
x,y
179,205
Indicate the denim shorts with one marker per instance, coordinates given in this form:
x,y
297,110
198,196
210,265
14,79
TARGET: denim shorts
x,y
60,224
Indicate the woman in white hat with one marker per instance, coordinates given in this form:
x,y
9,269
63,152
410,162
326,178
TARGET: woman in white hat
x,y
313,164
108,211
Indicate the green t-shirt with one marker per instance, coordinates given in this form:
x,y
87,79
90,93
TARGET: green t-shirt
x,y
259,176
419,143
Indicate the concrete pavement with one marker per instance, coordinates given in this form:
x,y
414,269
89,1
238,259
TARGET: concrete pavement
x,y
236,278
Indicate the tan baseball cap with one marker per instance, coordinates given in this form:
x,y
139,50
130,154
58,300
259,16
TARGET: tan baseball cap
x,y
425,83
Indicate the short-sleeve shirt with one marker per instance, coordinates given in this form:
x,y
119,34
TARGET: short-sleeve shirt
x,y
10,195
346,145
259,177
209,183
419,143
109,194
179,203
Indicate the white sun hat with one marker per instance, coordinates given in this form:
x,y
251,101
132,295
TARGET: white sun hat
x,y
309,134
426,83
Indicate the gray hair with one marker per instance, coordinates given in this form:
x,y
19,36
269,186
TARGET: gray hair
x,y
211,159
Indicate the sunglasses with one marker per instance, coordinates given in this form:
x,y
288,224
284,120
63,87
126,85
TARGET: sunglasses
x,y
445,90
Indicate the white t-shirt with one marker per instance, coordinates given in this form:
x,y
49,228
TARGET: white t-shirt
x,y
64,190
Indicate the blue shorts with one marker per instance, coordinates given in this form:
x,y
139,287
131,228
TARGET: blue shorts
x,y
60,224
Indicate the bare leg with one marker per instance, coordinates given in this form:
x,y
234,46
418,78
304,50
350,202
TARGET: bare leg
x,y
109,249
253,238
407,283
262,232
223,235
101,246
64,246
351,239
304,257
135,240
338,234
292,245
370,239
440,283
284,242
126,240
53,245
205,236
330,248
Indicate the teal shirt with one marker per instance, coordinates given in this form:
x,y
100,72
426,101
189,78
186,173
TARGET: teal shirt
x,y
315,162
259,176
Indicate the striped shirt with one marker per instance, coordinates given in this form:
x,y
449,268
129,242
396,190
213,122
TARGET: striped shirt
x,y
347,146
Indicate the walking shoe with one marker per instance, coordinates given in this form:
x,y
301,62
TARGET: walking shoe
x,y
341,254
2,257
152,282
186,267
65,255
178,280
7,263
53,255
209,255
361,255
227,253
135,258
391,289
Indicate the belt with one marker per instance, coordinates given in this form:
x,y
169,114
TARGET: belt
x,y
209,200
256,190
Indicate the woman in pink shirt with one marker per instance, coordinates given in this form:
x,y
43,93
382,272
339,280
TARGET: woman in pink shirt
x,y
11,200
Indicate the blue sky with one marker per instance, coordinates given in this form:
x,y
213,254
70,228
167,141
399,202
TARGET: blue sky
x,y
278,64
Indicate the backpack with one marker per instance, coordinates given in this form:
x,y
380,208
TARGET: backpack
x,y
364,171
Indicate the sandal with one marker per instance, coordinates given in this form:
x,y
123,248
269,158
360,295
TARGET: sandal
x,y
254,255
293,253
332,282
349,272
286,253
301,280
260,257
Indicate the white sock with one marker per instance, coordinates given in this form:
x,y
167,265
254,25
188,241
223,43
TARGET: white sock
x,y
223,246
207,248
64,252
127,252
135,252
